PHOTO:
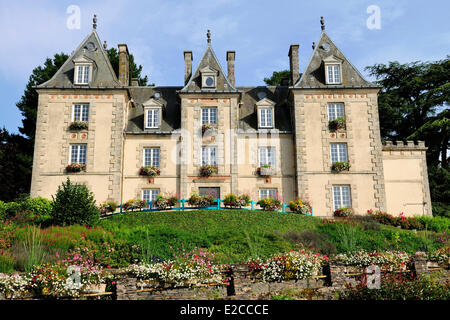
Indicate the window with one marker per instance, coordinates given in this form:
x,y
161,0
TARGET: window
x,y
210,191
209,156
267,193
83,74
338,152
151,157
341,197
266,117
80,112
335,110
209,115
267,156
149,195
334,73
152,118
78,153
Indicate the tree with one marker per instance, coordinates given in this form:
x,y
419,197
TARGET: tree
x,y
135,71
277,78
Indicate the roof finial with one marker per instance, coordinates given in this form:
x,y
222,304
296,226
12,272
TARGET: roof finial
x,y
208,35
314,45
105,45
322,22
94,22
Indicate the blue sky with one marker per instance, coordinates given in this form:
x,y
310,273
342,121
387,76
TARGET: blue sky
x,y
260,31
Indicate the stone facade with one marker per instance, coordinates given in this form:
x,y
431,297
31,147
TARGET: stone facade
x,y
390,177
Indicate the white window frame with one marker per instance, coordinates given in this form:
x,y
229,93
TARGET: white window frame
x,y
266,111
155,124
268,193
211,117
336,75
78,148
153,194
85,80
154,157
84,112
211,155
340,154
342,197
336,110
267,155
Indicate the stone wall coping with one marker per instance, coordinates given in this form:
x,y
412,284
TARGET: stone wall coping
x,y
407,146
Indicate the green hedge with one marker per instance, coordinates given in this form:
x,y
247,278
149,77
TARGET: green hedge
x,y
33,209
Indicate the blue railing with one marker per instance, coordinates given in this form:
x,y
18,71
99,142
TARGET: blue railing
x,y
182,207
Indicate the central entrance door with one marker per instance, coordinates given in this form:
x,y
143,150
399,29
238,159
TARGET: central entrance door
x,y
212,191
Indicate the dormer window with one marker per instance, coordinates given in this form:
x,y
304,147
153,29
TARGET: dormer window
x,y
333,72
209,78
266,113
152,114
83,70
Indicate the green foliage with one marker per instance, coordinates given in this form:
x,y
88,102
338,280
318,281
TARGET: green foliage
x,y
436,224
74,204
440,190
135,71
277,78
6,262
28,210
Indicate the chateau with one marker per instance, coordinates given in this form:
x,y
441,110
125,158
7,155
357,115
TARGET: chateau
x,y
316,136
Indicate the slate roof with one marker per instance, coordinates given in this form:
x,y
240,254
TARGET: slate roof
x,y
209,59
171,113
248,119
314,75
103,74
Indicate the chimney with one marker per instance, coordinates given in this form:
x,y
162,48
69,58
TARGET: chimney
x,y
124,65
231,55
187,66
294,63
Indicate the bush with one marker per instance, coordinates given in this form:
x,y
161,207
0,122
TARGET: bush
x,y
33,210
74,204
436,224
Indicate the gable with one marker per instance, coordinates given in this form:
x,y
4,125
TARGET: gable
x,y
327,52
91,51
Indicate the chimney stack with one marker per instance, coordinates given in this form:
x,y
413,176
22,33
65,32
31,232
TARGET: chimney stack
x,y
294,64
231,55
124,65
187,66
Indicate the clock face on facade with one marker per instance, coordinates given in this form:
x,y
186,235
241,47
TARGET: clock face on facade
x,y
90,46
209,81
326,46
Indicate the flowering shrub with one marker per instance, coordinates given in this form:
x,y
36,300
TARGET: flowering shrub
x,y
295,265
300,206
408,223
339,166
78,125
150,171
390,260
186,269
107,207
269,204
234,201
201,201
343,212
440,256
134,204
76,167
13,285
336,124
208,170
209,126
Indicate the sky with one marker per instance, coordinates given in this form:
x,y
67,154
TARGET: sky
x,y
260,31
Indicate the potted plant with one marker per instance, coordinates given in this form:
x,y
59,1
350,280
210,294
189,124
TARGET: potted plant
x,y
234,201
336,124
300,206
269,204
265,170
207,170
161,202
339,166
134,204
201,201
107,207
209,126
343,212
78,125
75,167
150,171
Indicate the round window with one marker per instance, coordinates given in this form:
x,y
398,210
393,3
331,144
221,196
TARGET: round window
x,y
209,81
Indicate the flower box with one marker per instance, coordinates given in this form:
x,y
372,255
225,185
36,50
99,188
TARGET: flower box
x,y
265,171
343,212
76,167
210,128
208,170
339,166
337,124
149,171
78,125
